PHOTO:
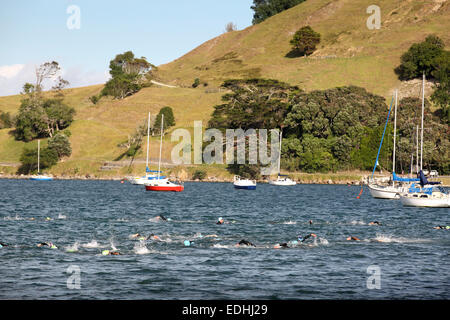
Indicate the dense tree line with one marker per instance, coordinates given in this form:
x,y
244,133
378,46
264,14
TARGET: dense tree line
x,y
329,130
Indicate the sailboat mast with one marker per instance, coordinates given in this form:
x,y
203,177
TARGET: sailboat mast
x,y
39,152
421,135
148,141
395,131
279,156
417,149
160,144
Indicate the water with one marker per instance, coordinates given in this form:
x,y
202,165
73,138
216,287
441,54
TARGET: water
x,y
83,218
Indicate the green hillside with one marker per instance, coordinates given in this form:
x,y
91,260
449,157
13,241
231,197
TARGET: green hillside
x,y
349,54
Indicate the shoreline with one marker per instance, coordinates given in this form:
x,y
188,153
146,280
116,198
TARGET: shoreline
x,y
90,178
307,180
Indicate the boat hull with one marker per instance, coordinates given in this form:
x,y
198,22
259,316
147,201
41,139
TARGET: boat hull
x,y
41,178
426,202
282,183
165,188
245,187
384,193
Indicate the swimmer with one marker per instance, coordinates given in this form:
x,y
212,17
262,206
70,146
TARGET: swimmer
x,y
303,239
353,238
188,243
374,223
3,245
48,244
138,236
442,227
220,221
153,237
310,222
161,217
281,245
110,253
246,243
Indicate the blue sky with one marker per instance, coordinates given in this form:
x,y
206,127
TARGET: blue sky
x,y
35,31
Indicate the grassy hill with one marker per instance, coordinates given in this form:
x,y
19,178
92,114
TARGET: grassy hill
x,y
349,54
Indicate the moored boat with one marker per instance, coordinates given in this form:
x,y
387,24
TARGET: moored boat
x,y
240,183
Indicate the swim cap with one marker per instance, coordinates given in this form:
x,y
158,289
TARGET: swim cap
x,y
53,247
105,252
187,243
141,238
447,227
1,246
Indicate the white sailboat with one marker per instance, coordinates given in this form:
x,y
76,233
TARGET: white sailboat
x,y
393,191
282,180
149,174
39,176
426,194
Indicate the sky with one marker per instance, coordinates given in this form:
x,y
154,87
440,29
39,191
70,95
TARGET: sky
x,y
84,35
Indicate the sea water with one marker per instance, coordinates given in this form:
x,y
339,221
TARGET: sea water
x,y
83,218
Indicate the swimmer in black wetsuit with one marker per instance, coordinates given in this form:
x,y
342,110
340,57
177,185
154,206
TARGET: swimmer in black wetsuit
x,y
374,223
246,243
283,245
442,227
220,221
303,239
3,245
48,244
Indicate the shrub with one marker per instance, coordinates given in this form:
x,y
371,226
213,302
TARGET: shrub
x,y
199,175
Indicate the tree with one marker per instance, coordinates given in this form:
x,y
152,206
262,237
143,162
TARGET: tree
x,y
41,118
441,72
420,58
61,144
59,86
6,120
129,75
253,104
266,8
230,27
29,158
305,41
169,119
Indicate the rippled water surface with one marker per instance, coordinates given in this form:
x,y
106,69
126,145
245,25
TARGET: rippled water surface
x,y
82,218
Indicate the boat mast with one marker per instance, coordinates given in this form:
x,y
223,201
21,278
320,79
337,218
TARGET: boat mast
x,y
160,144
417,149
39,152
421,135
148,142
395,132
279,156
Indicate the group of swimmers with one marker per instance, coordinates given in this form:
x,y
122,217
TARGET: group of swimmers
x,y
220,221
